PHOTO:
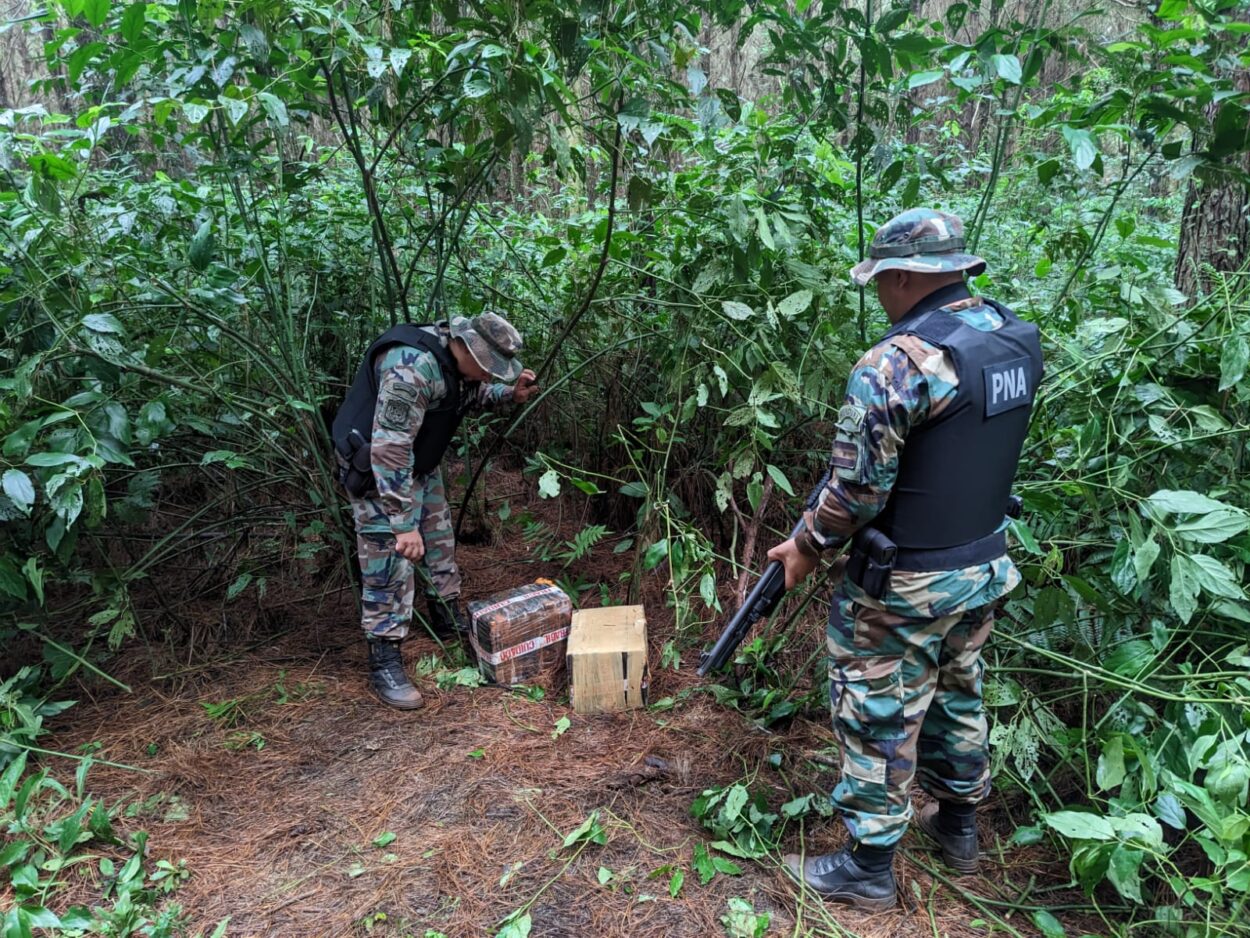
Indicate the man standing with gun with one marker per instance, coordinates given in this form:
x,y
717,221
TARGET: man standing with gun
x,y
925,451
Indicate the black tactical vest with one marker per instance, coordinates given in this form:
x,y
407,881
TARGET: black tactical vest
x,y
955,472
353,424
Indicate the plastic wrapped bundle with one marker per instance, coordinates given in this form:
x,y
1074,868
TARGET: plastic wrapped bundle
x,y
520,635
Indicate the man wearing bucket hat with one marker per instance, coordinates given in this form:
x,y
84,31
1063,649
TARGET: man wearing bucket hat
x,y
414,386
924,454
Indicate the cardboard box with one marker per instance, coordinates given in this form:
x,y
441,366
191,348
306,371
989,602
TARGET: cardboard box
x,y
519,635
607,659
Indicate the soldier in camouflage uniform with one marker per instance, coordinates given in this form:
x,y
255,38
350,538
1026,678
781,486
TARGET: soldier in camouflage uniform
x,y
928,436
402,518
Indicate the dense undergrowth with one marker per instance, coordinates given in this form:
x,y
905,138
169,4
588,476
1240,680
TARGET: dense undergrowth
x,y
239,197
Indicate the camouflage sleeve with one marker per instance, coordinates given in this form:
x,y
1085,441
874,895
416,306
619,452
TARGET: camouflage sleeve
x,y
887,394
409,383
494,396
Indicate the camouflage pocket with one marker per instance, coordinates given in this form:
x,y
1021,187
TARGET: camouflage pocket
x,y
872,707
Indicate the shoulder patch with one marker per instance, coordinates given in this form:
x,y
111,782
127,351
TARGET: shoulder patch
x,y
848,443
395,406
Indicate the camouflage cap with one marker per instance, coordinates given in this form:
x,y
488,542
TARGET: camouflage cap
x,y
492,342
920,239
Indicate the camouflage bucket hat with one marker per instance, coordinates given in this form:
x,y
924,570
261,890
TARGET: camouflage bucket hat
x,y
921,239
492,342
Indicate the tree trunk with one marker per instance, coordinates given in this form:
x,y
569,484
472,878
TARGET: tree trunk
x,y
1215,226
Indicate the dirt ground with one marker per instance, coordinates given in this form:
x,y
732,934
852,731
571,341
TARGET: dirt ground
x,y
304,808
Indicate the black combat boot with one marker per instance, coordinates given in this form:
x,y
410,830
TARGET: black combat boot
x,y
447,618
386,673
954,827
862,878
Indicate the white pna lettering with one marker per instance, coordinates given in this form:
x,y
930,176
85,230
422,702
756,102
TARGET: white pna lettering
x,y
1008,385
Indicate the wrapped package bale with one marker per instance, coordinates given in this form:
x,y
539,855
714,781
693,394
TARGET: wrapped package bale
x,y
520,635
608,659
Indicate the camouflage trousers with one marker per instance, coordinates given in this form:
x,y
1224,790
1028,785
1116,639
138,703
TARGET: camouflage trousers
x,y
388,581
906,700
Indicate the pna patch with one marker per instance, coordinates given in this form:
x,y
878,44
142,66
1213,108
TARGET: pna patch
x,y
1007,386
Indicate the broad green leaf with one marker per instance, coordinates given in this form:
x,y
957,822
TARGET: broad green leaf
x,y
399,58
755,492
735,801
1214,577
1182,590
1233,361
703,864
1129,658
236,108
96,11
1172,9
1078,825
133,22
34,574
194,112
794,304
891,20
275,108
1214,527
1024,536
516,927
1144,558
241,582
1111,770
45,460
12,772
675,883
1027,836
766,235
920,79
200,251
1170,811
18,486
102,322
707,590
375,65
1123,573
66,498
1082,145
1008,68
655,554
1048,925
1124,873
736,310
1185,502
780,479
385,839
589,830
1231,610
549,484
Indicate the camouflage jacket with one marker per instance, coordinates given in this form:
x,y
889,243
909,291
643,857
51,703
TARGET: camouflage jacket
x,y
898,384
391,445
